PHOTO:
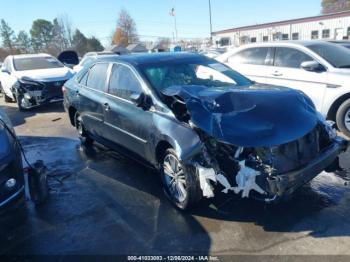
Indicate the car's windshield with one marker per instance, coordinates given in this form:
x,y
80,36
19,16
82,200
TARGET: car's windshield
x,y
207,73
34,63
338,56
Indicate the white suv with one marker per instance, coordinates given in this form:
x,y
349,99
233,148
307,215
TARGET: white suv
x,y
319,69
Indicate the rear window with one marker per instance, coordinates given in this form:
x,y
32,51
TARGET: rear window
x,y
35,63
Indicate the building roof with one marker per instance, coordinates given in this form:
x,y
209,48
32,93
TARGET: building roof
x,y
137,48
286,22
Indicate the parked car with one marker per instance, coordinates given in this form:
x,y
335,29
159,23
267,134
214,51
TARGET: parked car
x,y
345,43
11,168
202,125
90,57
320,69
33,80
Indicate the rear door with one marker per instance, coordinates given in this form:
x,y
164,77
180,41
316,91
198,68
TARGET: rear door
x,y
92,94
128,125
252,62
287,72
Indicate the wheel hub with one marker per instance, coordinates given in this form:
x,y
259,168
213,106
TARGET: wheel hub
x,y
175,178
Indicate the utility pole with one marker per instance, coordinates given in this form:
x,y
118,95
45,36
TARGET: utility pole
x,y
211,26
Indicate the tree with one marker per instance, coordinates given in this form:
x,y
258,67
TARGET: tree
x,y
93,44
7,35
23,42
333,6
42,34
126,32
79,42
59,39
119,38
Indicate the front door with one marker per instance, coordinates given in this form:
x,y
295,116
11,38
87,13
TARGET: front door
x,y
287,72
128,125
339,34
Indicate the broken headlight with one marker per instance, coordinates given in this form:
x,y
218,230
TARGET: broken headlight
x,y
24,85
329,126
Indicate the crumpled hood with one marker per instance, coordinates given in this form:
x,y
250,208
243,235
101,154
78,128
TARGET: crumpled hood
x,y
46,75
251,116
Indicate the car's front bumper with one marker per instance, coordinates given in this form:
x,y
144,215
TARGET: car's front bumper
x,y
285,184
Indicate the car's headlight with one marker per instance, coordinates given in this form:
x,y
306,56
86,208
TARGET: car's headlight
x,y
328,125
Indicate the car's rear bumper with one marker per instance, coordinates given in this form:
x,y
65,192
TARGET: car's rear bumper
x,y
285,184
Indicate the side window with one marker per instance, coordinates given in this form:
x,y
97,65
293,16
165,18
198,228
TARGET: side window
x,y
123,82
253,56
289,57
97,77
83,78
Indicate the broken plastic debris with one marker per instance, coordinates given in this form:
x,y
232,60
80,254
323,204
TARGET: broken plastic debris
x,y
224,182
246,181
205,175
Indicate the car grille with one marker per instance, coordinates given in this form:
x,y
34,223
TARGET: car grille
x,y
53,89
294,155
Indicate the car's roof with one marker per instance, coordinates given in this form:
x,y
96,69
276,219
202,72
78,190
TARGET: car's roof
x,y
31,55
147,58
291,43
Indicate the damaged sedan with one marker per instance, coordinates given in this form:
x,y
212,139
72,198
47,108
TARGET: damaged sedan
x,y
205,127
34,80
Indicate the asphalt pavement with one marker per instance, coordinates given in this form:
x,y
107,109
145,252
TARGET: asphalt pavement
x,y
102,203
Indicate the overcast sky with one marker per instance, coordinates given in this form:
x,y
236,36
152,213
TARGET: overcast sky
x,y
152,16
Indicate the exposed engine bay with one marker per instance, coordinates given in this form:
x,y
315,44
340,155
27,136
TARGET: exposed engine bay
x,y
250,150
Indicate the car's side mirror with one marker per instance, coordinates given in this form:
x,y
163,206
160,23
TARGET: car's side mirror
x,y
141,100
312,66
4,70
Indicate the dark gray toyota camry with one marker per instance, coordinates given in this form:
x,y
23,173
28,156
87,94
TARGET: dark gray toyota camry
x,y
205,127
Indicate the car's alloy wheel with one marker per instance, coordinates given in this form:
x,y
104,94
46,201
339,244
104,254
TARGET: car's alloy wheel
x,y
181,184
343,118
175,178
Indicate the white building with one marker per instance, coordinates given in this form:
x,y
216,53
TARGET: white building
x,y
327,27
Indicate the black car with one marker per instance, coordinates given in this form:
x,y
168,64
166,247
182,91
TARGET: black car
x,y
202,125
11,168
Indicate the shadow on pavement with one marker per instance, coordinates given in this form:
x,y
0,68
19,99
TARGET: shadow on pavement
x,y
19,118
103,203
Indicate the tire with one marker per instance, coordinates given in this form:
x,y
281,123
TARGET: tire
x,y
343,118
183,190
83,136
7,99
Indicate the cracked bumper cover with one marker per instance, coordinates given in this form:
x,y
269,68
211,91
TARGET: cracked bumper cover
x,y
286,184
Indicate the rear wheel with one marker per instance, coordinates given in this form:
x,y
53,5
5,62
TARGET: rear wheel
x,y
343,118
83,136
181,184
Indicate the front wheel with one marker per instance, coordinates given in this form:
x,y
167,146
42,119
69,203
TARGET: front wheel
x,y
343,118
21,103
181,184
7,99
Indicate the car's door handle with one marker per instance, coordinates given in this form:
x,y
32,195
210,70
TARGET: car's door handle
x,y
277,74
106,106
